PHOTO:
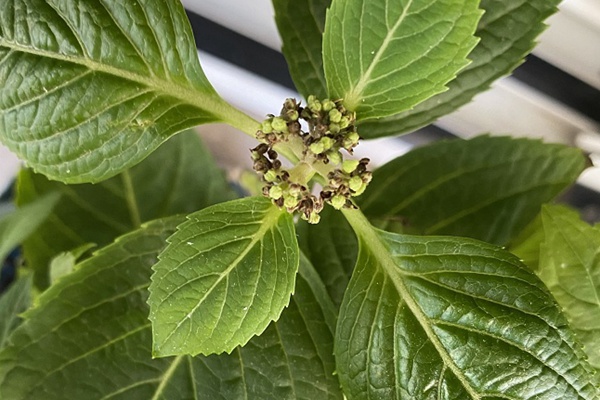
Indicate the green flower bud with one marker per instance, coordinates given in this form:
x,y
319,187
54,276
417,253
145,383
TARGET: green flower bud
x,y
351,140
275,192
317,147
334,128
338,201
290,201
334,156
355,183
314,218
361,190
279,125
344,122
335,115
270,176
328,105
292,115
266,126
348,166
314,104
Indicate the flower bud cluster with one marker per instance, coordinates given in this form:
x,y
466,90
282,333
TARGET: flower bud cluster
x,y
349,181
278,186
330,128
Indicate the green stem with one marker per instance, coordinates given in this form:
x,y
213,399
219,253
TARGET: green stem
x,y
130,196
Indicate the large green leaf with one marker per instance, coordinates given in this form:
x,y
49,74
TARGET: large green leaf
x,y
570,267
228,271
383,57
178,178
20,224
90,88
89,338
332,248
451,318
12,303
301,24
488,188
507,33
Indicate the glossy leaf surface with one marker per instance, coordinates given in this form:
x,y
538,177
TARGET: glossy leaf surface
x,y
508,30
93,323
180,177
452,318
570,267
301,24
383,57
228,271
90,88
488,188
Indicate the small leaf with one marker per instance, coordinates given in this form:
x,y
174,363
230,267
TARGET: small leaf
x,y
570,267
487,188
64,263
301,24
227,273
384,57
507,33
93,323
451,318
20,224
332,248
178,178
12,303
90,88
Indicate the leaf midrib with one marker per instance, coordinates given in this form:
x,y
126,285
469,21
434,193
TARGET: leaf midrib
x,y
206,100
380,251
352,98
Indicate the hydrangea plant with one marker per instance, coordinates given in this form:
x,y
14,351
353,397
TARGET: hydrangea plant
x,y
444,274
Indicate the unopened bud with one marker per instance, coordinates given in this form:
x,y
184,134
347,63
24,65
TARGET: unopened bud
x,y
270,176
266,127
334,128
348,166
335,115
279,125
313,218
344,122
338,201
334,157
328,105
355,183
290,201
275,192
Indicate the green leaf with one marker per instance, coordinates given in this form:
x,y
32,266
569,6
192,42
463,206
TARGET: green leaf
x,y
451,318
488,188
178,178
12,303
383,57
332,248
93,323
292,359
570,267
507,32
526,245
227,273
90,88
301,24
20,224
